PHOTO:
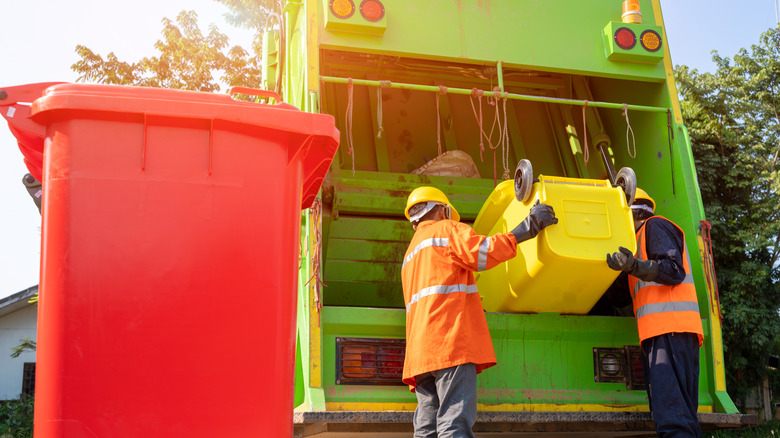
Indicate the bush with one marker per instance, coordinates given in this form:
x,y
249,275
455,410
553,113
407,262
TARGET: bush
x,y
768,430
16,418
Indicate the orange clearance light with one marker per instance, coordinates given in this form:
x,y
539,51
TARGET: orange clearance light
x,y
342,8
631,12
650,40
372,10
625,38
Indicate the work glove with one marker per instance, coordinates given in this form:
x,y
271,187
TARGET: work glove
x,y
541,216
624,260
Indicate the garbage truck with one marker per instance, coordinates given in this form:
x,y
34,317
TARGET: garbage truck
x,y
488,100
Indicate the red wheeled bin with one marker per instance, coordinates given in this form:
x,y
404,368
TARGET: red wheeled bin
x,y
171,224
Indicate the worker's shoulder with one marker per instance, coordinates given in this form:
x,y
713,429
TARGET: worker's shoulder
x,y
660,224
455,226
660,221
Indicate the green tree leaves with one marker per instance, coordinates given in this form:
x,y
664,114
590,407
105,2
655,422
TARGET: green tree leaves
x,y
732,118
187,58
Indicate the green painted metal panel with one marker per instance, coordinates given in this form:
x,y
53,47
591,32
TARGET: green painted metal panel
x,y
363,261
549,36
395,230
542,359
371,194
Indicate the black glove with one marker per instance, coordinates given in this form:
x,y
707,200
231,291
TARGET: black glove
x,y
624,260
541,216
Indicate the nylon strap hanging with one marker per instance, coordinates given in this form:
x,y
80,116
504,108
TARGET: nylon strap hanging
x,y
442,90
381,128
629,129
348,122
585,152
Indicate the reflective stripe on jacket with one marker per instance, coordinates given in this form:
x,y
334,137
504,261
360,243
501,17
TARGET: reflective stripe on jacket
x,y
661,308
445,321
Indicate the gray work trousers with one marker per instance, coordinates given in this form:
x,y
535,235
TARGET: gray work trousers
x,y
446,403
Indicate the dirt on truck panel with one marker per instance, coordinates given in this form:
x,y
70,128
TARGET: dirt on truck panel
x,y
497,104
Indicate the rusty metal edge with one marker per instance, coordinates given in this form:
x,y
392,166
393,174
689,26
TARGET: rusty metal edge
x,y
707,420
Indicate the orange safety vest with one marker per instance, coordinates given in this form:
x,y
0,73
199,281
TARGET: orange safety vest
x,y
445,321
661,308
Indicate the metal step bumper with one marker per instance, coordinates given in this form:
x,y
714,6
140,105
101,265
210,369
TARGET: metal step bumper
x,y
397,424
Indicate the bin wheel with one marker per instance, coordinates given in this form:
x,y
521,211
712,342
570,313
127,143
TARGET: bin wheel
x,y
626,179
524,179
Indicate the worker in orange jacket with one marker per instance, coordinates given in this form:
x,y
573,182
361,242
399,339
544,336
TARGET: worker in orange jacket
x,y
667,315
447,337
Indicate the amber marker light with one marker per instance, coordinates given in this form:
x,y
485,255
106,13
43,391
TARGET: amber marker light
x,y
650,40
625,38
372,10
342,8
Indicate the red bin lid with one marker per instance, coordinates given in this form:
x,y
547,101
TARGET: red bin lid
x,y
30,108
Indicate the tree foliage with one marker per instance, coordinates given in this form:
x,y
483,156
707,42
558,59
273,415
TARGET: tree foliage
x,y
188,59
732,118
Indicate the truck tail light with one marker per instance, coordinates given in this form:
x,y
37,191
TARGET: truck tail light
x,y
625,38
650,40
619,365
372,10
342,8
369,361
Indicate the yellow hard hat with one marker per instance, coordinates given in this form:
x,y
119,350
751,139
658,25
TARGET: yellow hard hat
x,y
641,194
426,194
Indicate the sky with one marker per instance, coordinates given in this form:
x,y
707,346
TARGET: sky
x,y
40,36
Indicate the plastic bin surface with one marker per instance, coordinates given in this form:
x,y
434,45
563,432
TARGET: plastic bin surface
x,y
564,268
171,224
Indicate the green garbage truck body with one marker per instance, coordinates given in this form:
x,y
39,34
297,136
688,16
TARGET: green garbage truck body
x,y
472,87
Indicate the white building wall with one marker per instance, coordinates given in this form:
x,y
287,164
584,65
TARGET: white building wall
x,y
13,327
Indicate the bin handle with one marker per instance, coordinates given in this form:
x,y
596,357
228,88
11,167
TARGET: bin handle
x,y
24,93
255,92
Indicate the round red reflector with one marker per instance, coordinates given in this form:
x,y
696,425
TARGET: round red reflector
x,y
342,8
372,10
625,38
650,40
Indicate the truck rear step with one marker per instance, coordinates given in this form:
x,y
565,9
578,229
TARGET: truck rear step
x,y
398,424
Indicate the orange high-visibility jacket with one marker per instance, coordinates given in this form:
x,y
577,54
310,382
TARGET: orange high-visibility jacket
x,y
445,321
660,308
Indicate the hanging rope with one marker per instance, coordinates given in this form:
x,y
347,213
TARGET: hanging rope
x,y
629,128
505,139
316,275
442,90
709,266
585,152
670,136
348,122
478,94
503,134
493,101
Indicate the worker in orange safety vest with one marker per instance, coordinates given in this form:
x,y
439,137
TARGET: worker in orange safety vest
x,y
447,337
668,320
